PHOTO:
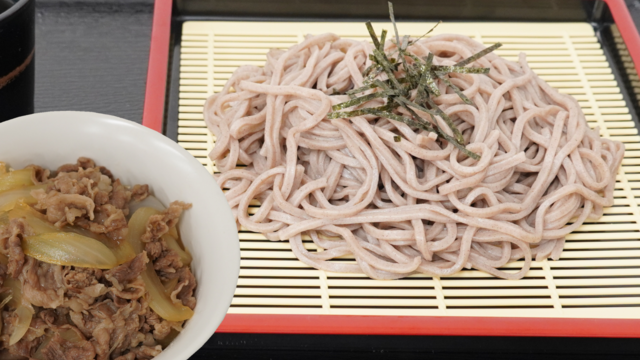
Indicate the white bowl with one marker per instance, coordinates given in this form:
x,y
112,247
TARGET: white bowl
x,y
138,155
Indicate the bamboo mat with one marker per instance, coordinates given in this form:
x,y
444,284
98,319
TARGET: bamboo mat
x,y
598,275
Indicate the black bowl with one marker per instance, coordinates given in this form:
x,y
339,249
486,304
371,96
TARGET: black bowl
x,y
17,58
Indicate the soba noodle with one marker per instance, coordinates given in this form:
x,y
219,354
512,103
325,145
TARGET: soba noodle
x,y
418,204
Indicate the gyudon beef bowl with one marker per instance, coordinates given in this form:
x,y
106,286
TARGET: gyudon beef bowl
x,y
115,243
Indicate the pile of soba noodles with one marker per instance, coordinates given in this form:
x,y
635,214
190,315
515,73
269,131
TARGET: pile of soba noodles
x,y
398,199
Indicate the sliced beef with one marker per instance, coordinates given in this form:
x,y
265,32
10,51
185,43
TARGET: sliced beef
x,y
113,329
40,175
9,320
126,281
165,260
120,197
71,186
3,274
108,220
132,290
147,352
103,189
106,172
42,284
83,287
154,249
161,328
127,322
49,316
86,163
114,218
168,262
95,323
160,224
28,345
128,356
78,278
139,192
89,182
11,244
60,349
56,318
129,270
62,209
113,221
67,168
6,355
184,289
25,348
91,226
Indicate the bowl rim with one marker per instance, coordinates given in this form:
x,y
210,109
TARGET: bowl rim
x,y
18,6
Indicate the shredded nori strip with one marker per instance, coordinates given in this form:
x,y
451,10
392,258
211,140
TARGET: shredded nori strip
x,y
459,69
393,21
478,55
425,34
362,89
384,62
383,38
401,100
447,119
359,100
457,91
373,35
419,76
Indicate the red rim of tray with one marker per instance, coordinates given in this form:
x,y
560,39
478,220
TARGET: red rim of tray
x,y
153,117
154,95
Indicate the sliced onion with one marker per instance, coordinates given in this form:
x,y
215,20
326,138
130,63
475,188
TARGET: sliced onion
x,y
69,249
38,354
159,300
173,232
4,219
8,199
70,335
172,243
76,239
122,249
169,338
150,201
22,326
170,285
36,221
39,225
2,304
16,179
22,209
23,310
16,292
138,225
66,334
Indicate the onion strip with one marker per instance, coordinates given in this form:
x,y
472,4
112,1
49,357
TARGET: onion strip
x,y
69,249
159,300
16,179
